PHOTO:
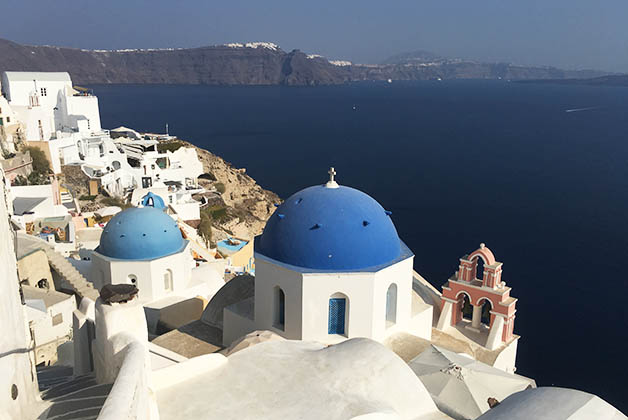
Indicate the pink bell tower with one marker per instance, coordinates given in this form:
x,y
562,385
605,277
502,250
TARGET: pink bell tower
x,y
486,293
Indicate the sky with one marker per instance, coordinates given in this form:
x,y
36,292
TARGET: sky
x,y
570,34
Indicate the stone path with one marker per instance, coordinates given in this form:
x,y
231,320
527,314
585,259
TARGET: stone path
x,y
70,398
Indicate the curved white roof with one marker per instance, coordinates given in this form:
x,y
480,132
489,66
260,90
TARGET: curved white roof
x,y
550,403
286,379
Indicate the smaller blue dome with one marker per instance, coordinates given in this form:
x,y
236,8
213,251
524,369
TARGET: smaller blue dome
x,y
144,233
153,200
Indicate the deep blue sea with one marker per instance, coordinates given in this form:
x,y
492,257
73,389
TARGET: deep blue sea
x,y
458,163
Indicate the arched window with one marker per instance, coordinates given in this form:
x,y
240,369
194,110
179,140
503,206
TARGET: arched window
x,y
168,281
338,314
479,268
391,305
279,317
486,312
466,308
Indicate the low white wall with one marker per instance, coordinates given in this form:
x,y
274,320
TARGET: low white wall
x,y
83,333
120,354
508,357
130,397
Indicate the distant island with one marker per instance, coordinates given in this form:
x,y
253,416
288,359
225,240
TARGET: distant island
x,y
256,63
610,80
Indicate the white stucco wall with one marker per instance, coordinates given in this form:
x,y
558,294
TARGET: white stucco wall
x,y
507,358
359,288
267,277
31,117
149,273
45,331
15,362
117,325
81,107
307,304
401,275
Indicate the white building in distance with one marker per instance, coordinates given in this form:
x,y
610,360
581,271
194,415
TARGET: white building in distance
x,y
46,102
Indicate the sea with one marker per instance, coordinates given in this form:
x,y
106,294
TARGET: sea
x,y
537,172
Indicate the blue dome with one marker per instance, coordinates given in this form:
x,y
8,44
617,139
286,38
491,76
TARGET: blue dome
x,y
324,228
153,200
142,233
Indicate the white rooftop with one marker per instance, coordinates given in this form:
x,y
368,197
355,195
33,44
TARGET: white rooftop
x,y
27,76
301,380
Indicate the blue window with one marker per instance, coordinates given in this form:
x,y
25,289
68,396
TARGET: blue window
x,y
337,315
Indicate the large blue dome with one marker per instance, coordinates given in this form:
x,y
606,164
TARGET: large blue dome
x,y
141,234
325,228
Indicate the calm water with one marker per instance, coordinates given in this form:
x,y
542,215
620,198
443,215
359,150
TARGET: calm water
x,y
458,163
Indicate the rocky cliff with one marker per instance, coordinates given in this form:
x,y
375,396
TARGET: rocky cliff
x,y
251,64
255,64
247,205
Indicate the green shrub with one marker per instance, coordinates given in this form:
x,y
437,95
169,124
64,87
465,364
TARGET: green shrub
x,y
20,180
208,175
40,162
87,197
205,227
220,187
169,146
219,213
36,178
114,201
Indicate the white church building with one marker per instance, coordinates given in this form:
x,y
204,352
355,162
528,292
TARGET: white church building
x,y
330,266
143,246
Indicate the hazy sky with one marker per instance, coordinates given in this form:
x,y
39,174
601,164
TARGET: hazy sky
x,y
563,33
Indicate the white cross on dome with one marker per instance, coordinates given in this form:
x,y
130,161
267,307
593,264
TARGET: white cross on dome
x,y
331,183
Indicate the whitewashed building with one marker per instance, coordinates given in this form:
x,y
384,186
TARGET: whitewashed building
x,y
54,114
49,100
182,165
34,202
50,320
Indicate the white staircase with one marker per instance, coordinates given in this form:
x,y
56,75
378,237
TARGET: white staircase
x,y
75,280
66,197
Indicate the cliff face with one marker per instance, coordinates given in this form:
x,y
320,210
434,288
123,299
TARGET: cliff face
x,y
251,64
248,205
219,65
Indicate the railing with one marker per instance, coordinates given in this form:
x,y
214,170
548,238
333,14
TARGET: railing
x,y
129,397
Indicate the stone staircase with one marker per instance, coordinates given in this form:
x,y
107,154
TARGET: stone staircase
x,y
75,280
70,398
66,197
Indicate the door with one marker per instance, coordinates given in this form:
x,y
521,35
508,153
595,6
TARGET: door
x,y
336,316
